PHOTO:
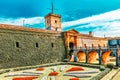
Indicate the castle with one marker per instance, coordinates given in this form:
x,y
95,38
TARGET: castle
x,y
72,37
21,46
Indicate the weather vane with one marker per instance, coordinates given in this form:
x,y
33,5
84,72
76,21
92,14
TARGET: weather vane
x,y
52,8
23,22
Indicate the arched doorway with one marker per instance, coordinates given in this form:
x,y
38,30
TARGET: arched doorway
x,y
71,45
71,51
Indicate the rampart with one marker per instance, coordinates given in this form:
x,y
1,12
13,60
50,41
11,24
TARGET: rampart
x,y
25,47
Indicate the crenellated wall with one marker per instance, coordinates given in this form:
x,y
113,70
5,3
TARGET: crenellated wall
x,y
23,48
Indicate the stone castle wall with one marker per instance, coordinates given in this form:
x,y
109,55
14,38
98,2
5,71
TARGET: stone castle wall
x,y
80,40
23,48
90,41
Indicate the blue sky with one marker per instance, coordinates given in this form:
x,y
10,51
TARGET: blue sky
x,y
100,16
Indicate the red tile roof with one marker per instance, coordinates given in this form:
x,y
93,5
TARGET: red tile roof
x,y
22,28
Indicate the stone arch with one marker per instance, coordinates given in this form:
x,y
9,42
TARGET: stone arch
x,y
81,56
105,56
118,51
118,56
92,56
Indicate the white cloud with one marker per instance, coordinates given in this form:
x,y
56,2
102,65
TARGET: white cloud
x,y
108,16
19,21
105,24
110,30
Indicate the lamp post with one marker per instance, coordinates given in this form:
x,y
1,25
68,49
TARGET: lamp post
x,y
23,22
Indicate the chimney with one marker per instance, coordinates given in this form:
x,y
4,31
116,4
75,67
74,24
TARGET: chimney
x,y
90,33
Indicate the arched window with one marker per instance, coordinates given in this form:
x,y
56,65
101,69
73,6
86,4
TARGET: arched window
x,y
52,45
71,45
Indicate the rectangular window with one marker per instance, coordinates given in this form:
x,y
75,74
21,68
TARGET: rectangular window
x,y
17,44
56,29
55,21
47,21
37,45
52,45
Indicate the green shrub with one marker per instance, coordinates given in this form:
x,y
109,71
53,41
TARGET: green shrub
x,y
65,60
100,75
110,65
102,68
116,67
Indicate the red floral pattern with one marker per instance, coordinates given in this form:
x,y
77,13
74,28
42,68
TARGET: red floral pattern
x,y
75,69
74,79
53,74
25,78
40,69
